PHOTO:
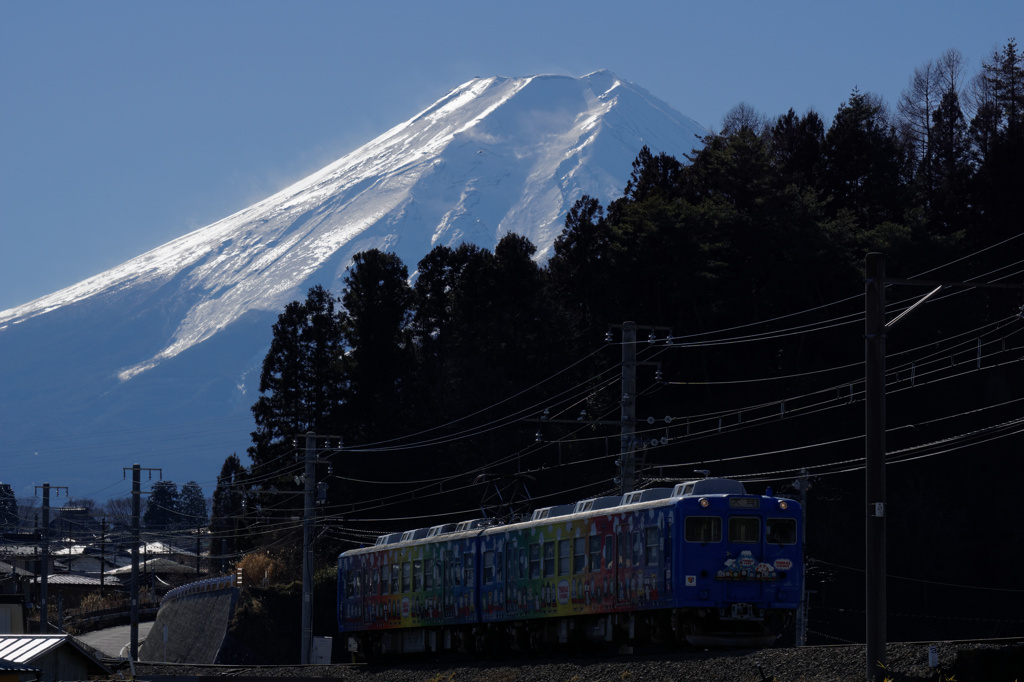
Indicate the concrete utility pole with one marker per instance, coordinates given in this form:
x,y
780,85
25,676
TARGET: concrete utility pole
x,y
801,614
875,328
627,439
307,549
136,512
45,567
874,470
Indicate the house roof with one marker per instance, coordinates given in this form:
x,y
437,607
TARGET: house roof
x,y
75,579
6,569
158,565
24,649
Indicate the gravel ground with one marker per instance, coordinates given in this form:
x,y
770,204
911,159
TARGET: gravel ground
x,y
905,662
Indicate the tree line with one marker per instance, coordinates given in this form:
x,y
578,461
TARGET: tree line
x,y
413,376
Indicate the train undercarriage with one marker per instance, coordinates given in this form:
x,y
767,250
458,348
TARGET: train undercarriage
x,y
742,625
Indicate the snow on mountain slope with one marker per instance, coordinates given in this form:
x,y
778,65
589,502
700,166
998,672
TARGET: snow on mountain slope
x,y
494,155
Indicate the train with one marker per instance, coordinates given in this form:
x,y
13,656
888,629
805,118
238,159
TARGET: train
x,y
704,563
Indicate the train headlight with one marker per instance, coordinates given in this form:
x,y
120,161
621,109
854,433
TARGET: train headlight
x,y
783,504
704,502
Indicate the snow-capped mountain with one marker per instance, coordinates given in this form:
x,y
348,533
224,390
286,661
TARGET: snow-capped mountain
x,y
156,360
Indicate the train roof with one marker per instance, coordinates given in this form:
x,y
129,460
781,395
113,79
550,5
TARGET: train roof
x,y
709,486
638,499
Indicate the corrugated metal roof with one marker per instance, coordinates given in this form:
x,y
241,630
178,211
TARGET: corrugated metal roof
x,y
24,649
73,579
27,648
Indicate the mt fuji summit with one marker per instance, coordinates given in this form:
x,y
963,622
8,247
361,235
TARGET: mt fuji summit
x,y
157,360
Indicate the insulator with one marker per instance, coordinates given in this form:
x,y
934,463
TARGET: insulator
x,y
608,336
537,436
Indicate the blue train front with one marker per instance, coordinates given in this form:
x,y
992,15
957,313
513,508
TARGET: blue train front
x,y
703,562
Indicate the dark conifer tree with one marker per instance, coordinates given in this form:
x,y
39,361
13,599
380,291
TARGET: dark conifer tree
x,y
162,506
378,306
796,144
227,519
8,508
300,387
998,135
192,506
949,208
865,168
580,271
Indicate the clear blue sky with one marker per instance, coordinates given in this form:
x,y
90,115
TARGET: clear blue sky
x,y
126,124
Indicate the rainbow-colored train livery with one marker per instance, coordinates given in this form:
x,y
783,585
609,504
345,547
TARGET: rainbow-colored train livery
x,y
703,562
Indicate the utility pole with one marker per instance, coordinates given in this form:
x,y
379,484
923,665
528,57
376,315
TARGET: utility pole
x,y
307,549
627,438
44,573
801,614
875,328
136,512
103,553
874,469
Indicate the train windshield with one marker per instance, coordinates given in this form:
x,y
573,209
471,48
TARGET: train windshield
x,y
744,529
703,529
782,531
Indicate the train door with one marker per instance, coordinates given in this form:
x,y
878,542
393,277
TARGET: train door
x,y
745,551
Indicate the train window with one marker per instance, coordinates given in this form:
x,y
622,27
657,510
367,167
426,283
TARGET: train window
x,y
782,531
349,588
668,542
457,573
623,549
385,582
651,546
417,575
406,576
374,581
467,571
394,579
579,555
595,552
535,560
744,529
499,562
703,529
564,557
549,558
524,563
488,566
609,551
511,574
429,575
638,547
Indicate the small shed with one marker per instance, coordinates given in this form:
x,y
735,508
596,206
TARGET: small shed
x,y
56,657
